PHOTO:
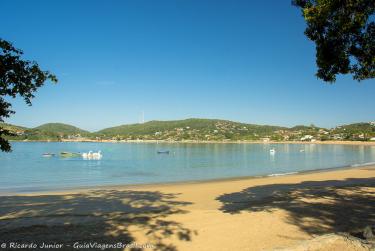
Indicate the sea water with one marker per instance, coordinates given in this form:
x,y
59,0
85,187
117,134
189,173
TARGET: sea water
x,y
26,170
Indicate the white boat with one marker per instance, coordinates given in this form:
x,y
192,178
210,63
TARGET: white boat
x,y
87,155
272,151
97,155
92,155
48,154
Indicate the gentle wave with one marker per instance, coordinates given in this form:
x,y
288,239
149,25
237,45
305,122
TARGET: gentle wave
x,y
363,164
281,174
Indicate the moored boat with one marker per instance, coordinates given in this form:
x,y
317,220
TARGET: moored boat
x,y
48,154
163,152
92,155
69,154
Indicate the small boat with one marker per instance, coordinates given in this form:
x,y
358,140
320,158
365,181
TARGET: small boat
x,y
69,154
97,155
48,154
301,151
163,152
90,155
272,151
87,155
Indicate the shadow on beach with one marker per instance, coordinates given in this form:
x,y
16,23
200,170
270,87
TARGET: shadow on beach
x,y
102,216
316,207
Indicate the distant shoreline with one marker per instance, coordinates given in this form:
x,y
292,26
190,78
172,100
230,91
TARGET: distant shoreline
x,y
328,142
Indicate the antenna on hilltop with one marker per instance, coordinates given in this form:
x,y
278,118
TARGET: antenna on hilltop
x,y
142,117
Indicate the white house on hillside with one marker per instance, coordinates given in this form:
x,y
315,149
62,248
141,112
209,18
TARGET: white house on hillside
x,y
307,138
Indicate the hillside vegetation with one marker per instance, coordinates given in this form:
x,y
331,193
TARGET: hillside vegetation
x,y
49,131
13,128
196,129
61,128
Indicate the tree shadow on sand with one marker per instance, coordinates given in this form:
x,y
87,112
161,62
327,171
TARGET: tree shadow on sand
x,y
102,216
316,207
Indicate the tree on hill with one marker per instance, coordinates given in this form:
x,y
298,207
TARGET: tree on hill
x,y
344,35
17,77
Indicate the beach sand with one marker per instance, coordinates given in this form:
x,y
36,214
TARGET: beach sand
x,y
240,214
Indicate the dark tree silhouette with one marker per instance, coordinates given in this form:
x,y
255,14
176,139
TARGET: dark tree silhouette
x,y
344,35
17,77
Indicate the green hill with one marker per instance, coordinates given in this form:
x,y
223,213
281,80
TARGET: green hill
x,y
304,128
358,128
356,131
61,129
50,131
13,128
197,129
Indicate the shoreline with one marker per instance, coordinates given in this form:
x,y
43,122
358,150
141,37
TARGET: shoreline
x,y
328,142
63,190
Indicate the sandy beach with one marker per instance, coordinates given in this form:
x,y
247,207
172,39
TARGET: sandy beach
x,y
242,214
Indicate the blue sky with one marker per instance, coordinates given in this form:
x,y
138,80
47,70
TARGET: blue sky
x,y
245,61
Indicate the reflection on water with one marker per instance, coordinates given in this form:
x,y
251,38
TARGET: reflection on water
x,y
26,170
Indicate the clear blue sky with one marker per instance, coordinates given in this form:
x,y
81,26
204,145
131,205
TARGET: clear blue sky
x,y
246,61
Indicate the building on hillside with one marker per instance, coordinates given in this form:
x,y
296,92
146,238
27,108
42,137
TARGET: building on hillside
x,y
337,137
307,138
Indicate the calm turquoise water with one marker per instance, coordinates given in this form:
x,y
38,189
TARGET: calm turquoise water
x,y
26,170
